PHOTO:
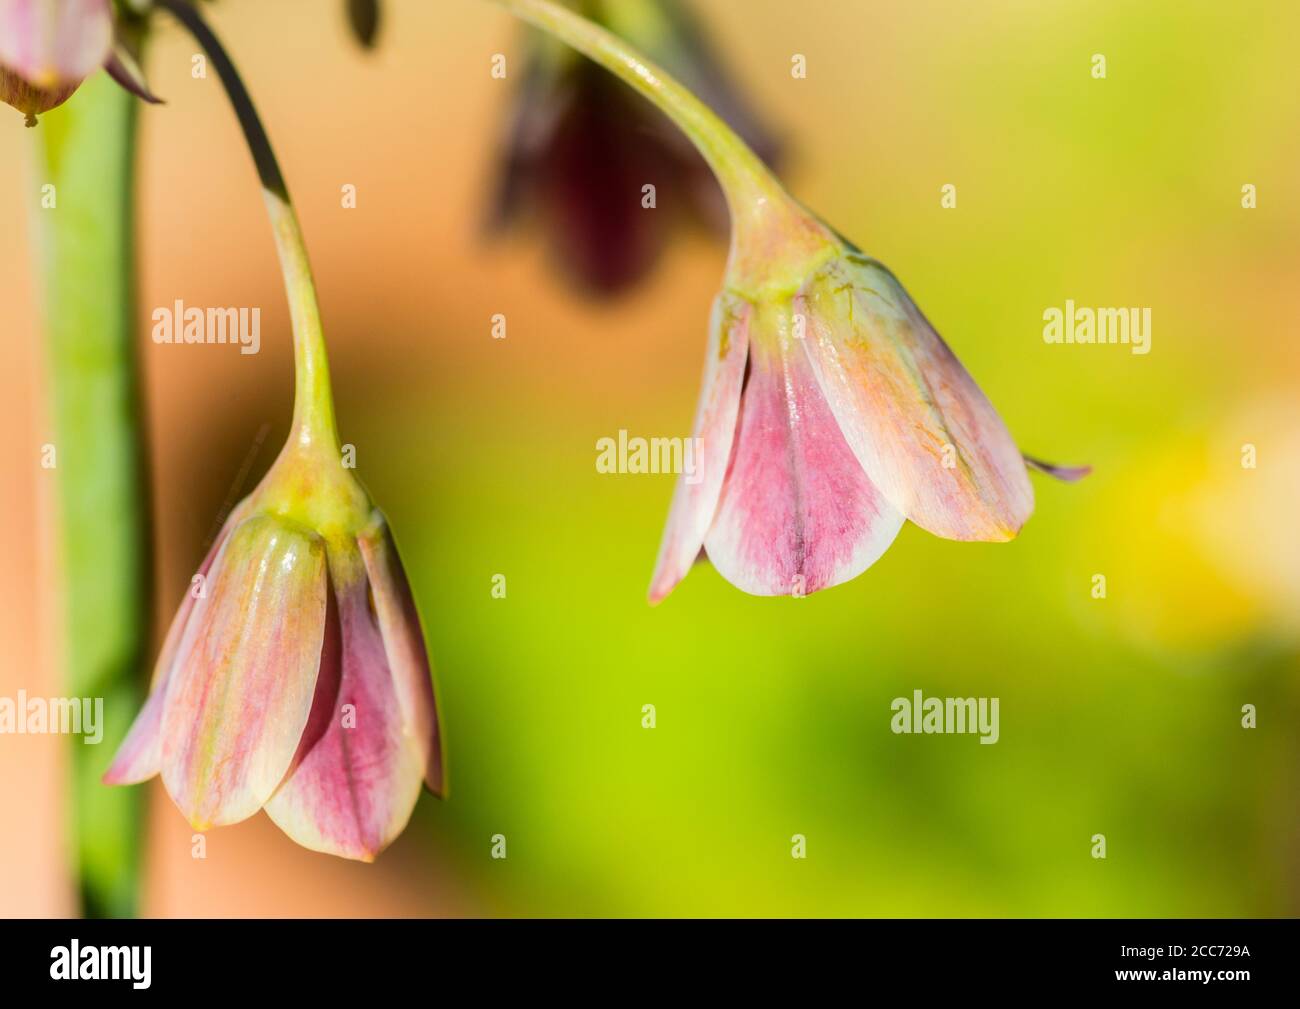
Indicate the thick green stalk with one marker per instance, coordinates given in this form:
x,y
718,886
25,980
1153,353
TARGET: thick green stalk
x,y
86,238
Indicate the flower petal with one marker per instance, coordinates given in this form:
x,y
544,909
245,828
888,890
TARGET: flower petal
x,y
27,98
53,42
245,677
139,757
355,786
123,67
1068,474
696,498
399,623
797,512
922,429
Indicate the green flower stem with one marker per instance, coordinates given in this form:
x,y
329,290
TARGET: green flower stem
x,y
765,220
313,402
313,409
86,151
738,168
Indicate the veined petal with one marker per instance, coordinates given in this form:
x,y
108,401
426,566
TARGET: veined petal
x,y
696,498
922,429
139,757
797,512
53,42
399,624
242,688
354,787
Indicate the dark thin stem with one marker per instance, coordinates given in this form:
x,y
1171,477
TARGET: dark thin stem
x,y
259,144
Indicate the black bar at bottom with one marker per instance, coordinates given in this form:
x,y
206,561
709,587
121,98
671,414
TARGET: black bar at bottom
x,y
438,959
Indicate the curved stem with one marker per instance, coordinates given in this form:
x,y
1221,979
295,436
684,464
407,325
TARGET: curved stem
x,y
745,179
313,406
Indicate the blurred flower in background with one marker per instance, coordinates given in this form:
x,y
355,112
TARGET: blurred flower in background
x,y
363,19
581,146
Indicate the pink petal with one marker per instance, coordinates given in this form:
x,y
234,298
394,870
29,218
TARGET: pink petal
x,y
245,676
357,782
55,41
696,498
399,623
797,512
918,423
139,757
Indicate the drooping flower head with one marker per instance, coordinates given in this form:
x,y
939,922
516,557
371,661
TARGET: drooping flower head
x,y
294,677
832,410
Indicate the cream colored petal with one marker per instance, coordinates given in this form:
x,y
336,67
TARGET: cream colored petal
x,y
922,429
242,689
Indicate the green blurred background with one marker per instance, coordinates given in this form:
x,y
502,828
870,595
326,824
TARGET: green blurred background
x,y
1119,716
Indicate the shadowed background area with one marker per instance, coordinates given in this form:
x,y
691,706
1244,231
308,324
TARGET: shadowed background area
x,y
1119,716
